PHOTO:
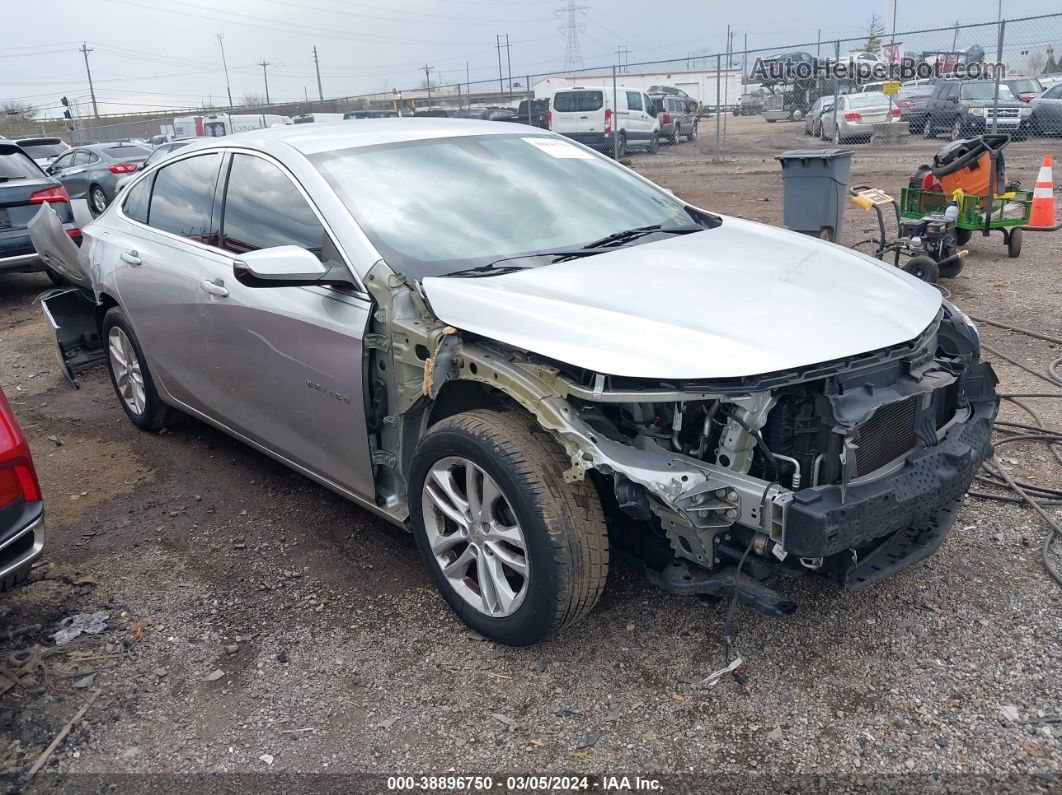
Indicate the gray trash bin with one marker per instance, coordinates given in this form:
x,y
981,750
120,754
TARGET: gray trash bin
x,y
815,190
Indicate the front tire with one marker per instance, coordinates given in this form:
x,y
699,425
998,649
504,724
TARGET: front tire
x,y
130,375
653,146
1014,243
517,553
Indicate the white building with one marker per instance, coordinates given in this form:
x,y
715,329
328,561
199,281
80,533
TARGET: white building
x,y
698,83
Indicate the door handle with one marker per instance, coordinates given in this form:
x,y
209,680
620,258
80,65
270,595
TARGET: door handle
x,y
131,258
215,287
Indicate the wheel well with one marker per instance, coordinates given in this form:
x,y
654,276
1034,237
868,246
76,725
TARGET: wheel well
x,y
458,396
102,307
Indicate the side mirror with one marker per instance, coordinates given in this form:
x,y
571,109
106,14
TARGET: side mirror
x,y
281,266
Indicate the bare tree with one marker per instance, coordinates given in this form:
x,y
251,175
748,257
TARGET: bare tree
x,y
253,101
19,110
1036,62
875,30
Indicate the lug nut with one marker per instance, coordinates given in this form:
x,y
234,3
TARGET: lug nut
x,y
731,514
732,495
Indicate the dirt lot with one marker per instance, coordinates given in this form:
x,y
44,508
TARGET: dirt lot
x,y
260,623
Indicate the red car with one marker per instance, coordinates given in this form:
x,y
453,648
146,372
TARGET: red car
x,y
21,506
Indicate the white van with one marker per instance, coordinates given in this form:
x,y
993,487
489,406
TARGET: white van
x,y
591,115
219,124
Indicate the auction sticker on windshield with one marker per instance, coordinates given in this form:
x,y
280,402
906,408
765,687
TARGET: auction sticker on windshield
x,y
559,149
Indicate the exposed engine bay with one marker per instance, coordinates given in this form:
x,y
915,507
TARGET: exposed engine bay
x,y
852,469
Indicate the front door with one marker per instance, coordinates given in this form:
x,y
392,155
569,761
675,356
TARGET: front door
x,y
286,362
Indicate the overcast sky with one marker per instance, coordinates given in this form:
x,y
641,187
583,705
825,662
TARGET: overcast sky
x,y
161,54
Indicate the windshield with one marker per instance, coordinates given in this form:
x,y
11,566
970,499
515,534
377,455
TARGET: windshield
x,y
1025,86
985,91
438,206
44,150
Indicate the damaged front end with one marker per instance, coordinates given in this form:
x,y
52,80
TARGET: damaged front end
x,y
852,469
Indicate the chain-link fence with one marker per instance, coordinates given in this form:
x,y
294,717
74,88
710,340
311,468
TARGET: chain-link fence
x,y
879,90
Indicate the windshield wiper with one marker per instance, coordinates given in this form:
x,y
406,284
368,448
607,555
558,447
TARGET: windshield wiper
x,y
627,235
496,267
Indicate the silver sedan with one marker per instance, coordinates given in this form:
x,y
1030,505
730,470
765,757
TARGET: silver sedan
x,y
493,336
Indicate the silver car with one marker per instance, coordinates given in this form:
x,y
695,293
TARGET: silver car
x,y
499,339
92,172
856,116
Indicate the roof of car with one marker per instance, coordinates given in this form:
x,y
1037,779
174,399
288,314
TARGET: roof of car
x,y
328,136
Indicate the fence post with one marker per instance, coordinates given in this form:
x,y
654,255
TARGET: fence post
x,y
999,60
836,92
718,87
530,99
615,116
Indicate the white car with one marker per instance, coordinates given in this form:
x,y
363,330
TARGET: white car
x,y
496,338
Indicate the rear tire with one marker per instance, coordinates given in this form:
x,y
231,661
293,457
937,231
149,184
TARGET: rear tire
x,y
927,130
962,236
692,135
97,200
130,375
621,147
560,525
924,268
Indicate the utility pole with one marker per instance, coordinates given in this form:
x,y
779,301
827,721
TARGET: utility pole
x,y
265,78
509,65
317,66
92,92
497,46
427,82
225,65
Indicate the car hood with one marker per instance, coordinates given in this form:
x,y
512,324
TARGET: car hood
x,y
987,103
741,299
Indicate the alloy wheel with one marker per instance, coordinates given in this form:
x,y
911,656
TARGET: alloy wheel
x,y
128,377
99,200
474,536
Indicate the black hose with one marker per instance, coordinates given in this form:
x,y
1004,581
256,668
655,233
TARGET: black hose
x,y
1035,496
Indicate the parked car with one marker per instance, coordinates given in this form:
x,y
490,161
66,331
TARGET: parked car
x,y
1046,116
1024,88
159,153
490,113
750,104
676,116
913,103
310,118
370,114
24,187
604,120
964,109
43,150
547,344
813,119
856,116
536,116
92,172
21,503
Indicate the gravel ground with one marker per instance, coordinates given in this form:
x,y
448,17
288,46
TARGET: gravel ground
x,y
259,623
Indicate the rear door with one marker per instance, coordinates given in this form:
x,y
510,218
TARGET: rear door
x,y
579,111
160,257
286,362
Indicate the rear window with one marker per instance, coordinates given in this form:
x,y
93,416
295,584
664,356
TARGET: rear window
x,y
128,152
578,101
867,100
15,165
44,150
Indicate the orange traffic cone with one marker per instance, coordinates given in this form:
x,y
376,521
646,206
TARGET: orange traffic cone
x,y
1043,203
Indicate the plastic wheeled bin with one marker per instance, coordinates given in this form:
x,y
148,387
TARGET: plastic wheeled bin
x,y
815,190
